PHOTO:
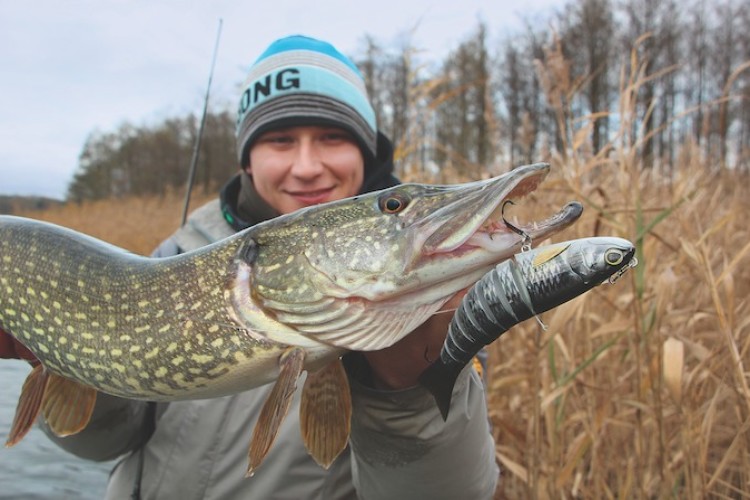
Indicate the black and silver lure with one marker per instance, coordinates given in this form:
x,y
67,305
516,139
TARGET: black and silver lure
x,y
528,284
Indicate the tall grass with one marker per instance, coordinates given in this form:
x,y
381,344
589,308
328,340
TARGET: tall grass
x,y
635,390
137,224
638,389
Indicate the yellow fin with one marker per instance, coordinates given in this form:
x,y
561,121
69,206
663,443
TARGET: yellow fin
x,y
325,413
29,404
549,253
275,407
67,405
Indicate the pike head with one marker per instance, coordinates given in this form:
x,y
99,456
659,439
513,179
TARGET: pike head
x,y
363,272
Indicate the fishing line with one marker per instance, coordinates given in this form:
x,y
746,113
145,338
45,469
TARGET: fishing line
x,y
523,291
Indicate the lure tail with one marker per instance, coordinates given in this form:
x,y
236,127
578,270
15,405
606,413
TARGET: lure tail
x,y
440,379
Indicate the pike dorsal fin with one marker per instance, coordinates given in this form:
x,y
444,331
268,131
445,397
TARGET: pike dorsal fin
x,y
67,405
29,404
275,407
325,413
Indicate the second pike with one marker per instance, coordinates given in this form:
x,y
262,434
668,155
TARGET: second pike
x,y
530,283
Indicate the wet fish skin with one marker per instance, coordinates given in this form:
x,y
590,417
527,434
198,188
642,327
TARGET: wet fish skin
x,y
530,283
355,274
131,326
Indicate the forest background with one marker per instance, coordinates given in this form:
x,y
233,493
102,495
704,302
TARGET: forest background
x,y
643,109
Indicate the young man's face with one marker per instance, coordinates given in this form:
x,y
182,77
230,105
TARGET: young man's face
x,y
297,167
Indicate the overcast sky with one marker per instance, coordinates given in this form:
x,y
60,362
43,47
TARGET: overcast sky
x,y
68,68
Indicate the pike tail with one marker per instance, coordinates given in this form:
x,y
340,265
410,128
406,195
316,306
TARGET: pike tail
x,y
440,378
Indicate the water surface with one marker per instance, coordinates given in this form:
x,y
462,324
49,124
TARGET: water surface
x,y
35,468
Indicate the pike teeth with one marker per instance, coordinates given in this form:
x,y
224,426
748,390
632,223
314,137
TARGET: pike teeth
x,y
493,242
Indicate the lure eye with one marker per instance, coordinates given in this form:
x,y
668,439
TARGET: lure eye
x,y
613,257
393,203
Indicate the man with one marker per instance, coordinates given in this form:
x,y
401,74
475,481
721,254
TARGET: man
x,y
306,134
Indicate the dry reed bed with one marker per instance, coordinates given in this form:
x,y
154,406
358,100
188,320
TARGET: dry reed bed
x,y
137,224
638,389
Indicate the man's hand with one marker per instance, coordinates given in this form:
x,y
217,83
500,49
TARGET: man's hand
x,y
400,365
10,348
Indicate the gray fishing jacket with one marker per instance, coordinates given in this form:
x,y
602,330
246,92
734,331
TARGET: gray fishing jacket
x,y
399,448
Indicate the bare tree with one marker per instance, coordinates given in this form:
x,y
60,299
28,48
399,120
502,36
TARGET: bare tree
x,y
465,107
587,33
513,80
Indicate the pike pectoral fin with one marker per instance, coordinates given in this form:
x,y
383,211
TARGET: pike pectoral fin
x,y
439,379
325,413
29,404
276,407
67,405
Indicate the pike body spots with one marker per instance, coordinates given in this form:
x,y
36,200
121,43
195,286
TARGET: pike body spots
x,y
90,311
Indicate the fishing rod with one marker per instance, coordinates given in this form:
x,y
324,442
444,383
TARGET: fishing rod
x,y
198,139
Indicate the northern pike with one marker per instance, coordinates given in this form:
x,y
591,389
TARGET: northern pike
x,y
287,295
517,289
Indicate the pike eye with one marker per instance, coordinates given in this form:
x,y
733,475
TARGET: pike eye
x,y
613,257
393,203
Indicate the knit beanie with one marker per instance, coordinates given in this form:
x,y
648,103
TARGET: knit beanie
x,y
301,81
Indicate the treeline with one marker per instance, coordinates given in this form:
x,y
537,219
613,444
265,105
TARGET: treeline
x,y
13,204
656,74
152,159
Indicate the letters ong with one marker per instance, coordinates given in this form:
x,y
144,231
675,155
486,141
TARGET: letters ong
x,y
264,87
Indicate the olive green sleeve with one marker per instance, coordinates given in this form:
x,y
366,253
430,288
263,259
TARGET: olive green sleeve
x,y
402,448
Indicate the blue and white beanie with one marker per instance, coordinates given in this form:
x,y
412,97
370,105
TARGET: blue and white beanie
x,y
303,81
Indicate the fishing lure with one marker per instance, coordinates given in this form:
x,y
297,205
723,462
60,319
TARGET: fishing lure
x,y
530,283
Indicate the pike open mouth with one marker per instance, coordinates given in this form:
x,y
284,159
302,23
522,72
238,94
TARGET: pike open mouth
x,y
477,219
496,234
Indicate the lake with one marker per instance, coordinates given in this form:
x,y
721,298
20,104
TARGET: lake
x,y
35,468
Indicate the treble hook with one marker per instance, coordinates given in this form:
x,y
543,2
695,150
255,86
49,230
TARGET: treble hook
x,y
612,279
526,241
